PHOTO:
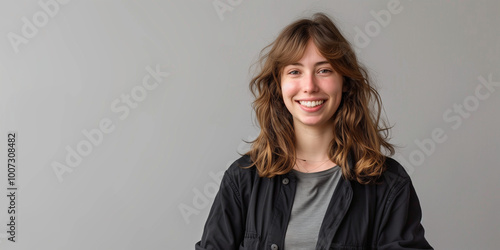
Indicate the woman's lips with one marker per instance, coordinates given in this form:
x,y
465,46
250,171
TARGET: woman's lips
x,y
311,106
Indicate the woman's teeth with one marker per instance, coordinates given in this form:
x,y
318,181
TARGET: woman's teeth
x,y
311,104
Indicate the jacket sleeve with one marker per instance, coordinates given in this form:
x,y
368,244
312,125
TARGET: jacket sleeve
x,y
225,226
401,227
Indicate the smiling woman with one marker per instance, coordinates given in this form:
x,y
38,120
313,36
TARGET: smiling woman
x,y
316,176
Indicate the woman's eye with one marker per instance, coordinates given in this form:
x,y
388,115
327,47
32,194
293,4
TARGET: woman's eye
x,y
293,72
323,71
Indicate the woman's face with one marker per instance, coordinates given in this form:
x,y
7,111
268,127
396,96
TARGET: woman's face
x,y
311,89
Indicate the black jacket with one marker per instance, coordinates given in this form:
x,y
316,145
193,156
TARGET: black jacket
x,y
250,212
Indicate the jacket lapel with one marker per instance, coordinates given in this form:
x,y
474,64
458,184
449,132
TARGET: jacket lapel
x,y
337,209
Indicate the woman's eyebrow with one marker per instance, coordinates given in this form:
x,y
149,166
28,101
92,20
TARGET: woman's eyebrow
x,y
315,65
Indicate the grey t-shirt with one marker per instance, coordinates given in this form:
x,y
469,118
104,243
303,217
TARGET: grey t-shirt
x,y
313,194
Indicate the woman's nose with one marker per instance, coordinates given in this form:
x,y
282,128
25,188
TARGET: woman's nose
x,y
310,84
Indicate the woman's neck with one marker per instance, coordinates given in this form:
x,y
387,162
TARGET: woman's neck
x,y
312,142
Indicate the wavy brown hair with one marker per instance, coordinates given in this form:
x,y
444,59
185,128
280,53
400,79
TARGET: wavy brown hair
x,y
357,130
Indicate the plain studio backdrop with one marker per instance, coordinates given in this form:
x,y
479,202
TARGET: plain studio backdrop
x,y
126,113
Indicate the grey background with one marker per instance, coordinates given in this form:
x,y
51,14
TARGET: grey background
x,y
129,191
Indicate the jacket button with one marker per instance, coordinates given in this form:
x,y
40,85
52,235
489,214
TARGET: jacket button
x,y
274,247
285,181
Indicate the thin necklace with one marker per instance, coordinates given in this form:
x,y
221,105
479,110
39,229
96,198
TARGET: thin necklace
x,y
309,160
297,163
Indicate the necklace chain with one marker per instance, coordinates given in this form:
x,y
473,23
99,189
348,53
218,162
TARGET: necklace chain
x,y
297,163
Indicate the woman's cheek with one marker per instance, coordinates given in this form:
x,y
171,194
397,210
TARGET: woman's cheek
x,y
288,87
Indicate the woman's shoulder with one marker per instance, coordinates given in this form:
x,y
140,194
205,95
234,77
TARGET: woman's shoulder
x,y
242,177
392,182
394,167
394,173
242,168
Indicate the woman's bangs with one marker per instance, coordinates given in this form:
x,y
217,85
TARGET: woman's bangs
x,y
291,52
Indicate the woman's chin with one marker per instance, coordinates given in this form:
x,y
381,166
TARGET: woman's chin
x,y
313,122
